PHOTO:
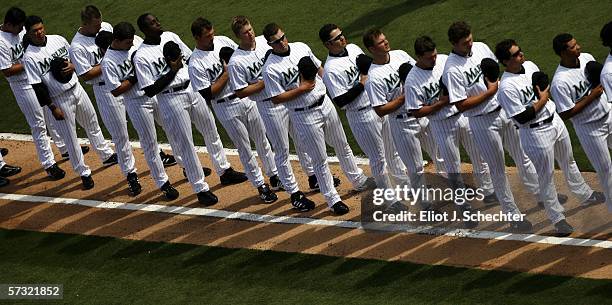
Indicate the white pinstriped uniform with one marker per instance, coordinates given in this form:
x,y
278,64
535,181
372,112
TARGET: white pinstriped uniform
x,y
448,125
316,125
545,143
593,124
180,108
382,86
606,77
238,116
371,131
70,98
492,129
245,68
38,118
143,111
85,55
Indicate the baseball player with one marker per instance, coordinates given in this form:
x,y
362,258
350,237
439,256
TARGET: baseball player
x,y
345,84
426,96
167,78
541,131
384,89
587,107
312,112
246,80
60,90
239,117
476,98
38,118
118,73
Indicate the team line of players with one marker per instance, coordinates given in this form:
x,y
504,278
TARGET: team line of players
x,y
259,90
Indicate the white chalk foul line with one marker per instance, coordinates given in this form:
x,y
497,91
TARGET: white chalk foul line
x,y
179,210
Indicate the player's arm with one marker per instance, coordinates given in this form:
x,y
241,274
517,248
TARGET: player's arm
x,y
476,100
94,72
291,94
42,94
390,107
250,89
126,85
430,109
13,70
582,103
352,94
162,82
79,56
532,110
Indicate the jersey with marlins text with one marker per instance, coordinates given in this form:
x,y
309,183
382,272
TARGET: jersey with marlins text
x,y
150,63
117,67
38,64
463,78
205,67
383,84
245,67
516,93
341,74
11,52
422,88
280,73
85,54
570,85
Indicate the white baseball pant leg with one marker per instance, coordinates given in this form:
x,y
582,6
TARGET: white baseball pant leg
x,y
87,118
205,123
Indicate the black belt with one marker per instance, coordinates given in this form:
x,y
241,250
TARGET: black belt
x,y
363,108
495,110
454,114
317,104
540,123
100,83
178,88
226,99
403,116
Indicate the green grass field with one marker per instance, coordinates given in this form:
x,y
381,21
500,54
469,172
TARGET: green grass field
x,y
99,270
532,24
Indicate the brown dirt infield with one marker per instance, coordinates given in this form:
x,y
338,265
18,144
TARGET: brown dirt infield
x,y
592,222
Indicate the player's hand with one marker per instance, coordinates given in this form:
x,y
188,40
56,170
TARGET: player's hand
x,y
57,112
443,100
543,94
363,78
597,91
176,64
307,85
69,68
492,86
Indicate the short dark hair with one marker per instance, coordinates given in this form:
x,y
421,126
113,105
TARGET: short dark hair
x,y
199,24
502,50
325,31
15,15
89,13
142,25
606,34
370,35
560,42
238,22
424,44
32,20
458,30
123,30
270,30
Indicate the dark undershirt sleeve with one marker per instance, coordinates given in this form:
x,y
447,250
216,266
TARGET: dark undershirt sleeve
x,y
206,93
525,116
159,85
349,96
42,94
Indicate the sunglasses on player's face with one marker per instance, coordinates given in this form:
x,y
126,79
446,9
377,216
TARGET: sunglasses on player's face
x,y
517,53
340,36
277,41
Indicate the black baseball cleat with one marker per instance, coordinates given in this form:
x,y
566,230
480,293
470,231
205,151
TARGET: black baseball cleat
x,y
9,170
523,226
266,194
134,186
207,198
84,149
167,159
55,172
230,176
300,203
4,151
276,184
466,210
314,184
563,229
112,160
169,191
4,182
88,182
339,208
596,198
207,171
